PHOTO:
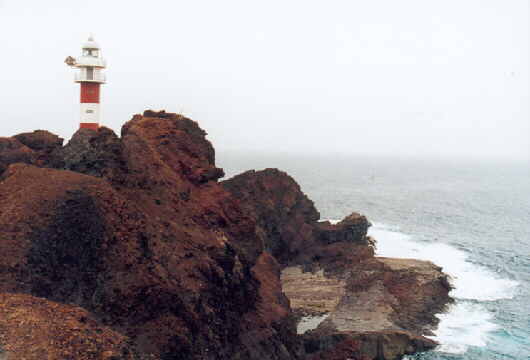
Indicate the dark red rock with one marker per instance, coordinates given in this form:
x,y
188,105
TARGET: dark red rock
x,y
13,151
287,222
40,140
148,242
37,148
284,214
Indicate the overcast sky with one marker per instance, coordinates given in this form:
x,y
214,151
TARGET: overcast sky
x,y
409,77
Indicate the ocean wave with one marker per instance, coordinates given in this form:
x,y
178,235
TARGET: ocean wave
x,y
467,323
471,281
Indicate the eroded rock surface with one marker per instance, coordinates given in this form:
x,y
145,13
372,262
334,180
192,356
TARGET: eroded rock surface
x,y
312,293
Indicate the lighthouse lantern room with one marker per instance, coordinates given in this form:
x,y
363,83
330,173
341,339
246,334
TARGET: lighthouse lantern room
x,y
90,75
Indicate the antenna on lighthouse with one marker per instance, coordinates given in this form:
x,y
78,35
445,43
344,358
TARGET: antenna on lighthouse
x,y
90,66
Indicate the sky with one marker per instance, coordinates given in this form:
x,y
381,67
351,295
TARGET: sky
x,y
364,77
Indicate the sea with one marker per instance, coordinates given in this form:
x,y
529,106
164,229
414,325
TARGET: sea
x,y
469,216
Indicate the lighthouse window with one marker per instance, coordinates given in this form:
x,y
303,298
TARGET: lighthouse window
x,y
90,111
90,73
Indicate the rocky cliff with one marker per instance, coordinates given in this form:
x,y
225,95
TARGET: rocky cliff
x,y
373,308
129,248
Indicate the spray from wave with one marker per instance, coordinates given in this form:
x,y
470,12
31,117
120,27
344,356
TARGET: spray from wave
x,y
467,323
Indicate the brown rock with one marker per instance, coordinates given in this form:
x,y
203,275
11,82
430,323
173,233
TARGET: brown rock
x,y
13,151
415,291
352,229
377,345
137,231
284,214
33,329
377,308
37,148
148,242
40,140
386,306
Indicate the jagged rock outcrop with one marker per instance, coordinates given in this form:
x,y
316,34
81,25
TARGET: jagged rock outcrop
x,y
137,235
37,148
283,213
288,222
13,151
95,153
352,229
41,141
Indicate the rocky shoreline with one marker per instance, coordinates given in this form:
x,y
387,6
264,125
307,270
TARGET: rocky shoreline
x,y
131,248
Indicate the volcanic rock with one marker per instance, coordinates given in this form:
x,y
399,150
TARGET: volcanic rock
x,y
35,329
37,148
287,221
96,153
13,151
375,308
143,237
284,214
137,234
40,140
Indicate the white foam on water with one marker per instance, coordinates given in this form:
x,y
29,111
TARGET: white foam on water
x,y
467,323
309,323
471,281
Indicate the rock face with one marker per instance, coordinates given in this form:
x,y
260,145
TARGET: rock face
x,y
157,260
287,221
376,308
284,214
386,306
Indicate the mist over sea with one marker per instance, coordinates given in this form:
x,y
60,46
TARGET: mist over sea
x,y
470,217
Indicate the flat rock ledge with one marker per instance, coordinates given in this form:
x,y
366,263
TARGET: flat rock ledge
x,y
377,309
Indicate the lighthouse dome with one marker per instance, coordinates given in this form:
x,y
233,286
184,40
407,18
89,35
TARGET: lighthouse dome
x,y
91,44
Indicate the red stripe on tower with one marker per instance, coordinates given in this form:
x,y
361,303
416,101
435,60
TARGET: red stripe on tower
x,y
90,92
90,76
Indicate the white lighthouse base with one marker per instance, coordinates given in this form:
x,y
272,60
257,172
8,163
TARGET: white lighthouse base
x,y
90,113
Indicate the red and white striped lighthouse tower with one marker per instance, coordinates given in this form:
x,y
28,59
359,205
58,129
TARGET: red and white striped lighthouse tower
x,y
90,76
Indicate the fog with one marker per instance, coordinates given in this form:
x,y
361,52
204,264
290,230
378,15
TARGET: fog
x,y
382,77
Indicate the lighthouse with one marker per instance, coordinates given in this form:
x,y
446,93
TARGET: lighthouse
x,y
90,75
